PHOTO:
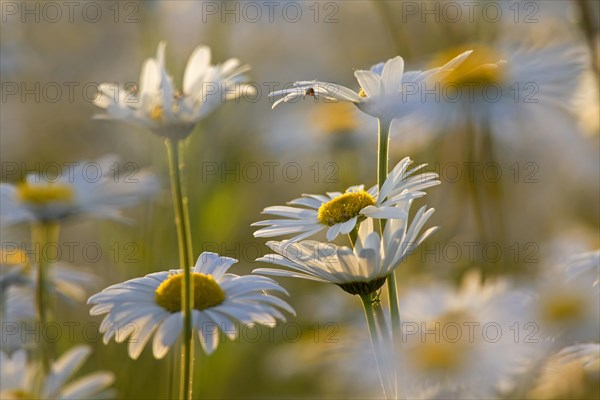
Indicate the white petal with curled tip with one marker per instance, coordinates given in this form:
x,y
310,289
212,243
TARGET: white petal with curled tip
x,y
144,330
333,231
383,212
370,82
195,69
149,81
391,75
64,367
167,334
88,386
223,322
207,331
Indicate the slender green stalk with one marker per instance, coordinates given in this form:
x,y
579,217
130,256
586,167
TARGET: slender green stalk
x,y
383,151
44,234
473,186
174,150
495,193
392,290
377,349
382,172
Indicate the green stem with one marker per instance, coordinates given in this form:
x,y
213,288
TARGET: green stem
x,y
383,151
495,192
43,235
174,151
382,172
473,186
376,343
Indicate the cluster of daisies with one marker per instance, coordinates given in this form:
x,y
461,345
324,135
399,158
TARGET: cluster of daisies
x,y
376,224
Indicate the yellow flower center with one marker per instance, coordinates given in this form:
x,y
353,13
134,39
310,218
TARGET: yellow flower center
x,y
563,307
344,207
19,257
444,344
362,93
479,69
156,114
44,194
442,356
207,292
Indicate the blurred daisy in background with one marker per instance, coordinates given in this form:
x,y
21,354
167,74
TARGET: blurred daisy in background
x,y
18,378
151,305
18,281
503,87
69,282
340,213
361,270
166,111
458,343
88,189
572,373
380,94
17,318
567,305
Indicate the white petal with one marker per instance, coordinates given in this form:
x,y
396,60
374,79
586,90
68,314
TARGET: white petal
x,y
370,82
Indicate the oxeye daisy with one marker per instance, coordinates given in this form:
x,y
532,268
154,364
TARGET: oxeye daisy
x,y
166,111
340,213
361,270
381,88
454,340
68,281
142,307
500,85
74,193
18,377
567,305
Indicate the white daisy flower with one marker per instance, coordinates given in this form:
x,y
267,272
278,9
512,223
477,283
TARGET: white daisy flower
x,y
567,305
361,270
381,88
503,86
339,213
167,112
459,343
73,193
18,378
68,281
141,307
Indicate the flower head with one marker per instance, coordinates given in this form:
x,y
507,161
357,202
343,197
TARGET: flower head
x,y
499,85
361,270
152,305
381,88
74,193
339,213
18,378
567,301
167,112
451,340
